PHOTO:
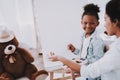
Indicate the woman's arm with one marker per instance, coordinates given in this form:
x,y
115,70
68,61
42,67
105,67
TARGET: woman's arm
x,y
74,66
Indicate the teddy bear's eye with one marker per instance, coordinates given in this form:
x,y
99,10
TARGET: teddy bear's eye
x,y
10,48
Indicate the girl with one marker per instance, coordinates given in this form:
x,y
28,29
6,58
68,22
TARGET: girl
x,y
91,47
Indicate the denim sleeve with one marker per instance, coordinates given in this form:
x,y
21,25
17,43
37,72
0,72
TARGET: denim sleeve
x,y
96,50
77,51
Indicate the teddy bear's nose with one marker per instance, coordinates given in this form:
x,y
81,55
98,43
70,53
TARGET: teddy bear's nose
x,y
10,48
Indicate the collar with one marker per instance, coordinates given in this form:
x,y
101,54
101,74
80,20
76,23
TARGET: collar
x,y
92,35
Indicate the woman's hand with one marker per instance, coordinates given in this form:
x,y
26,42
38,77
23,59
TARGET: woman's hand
x,y
73,65
53,57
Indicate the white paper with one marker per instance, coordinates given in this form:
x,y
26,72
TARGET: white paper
x,y
49,65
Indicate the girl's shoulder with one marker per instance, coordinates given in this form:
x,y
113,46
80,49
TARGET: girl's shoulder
x,y
97,41
96,38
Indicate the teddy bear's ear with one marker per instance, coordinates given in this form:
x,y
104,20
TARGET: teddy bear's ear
x,y
5,34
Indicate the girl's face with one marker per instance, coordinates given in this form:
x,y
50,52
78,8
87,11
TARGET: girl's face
x,y
89,23
109,25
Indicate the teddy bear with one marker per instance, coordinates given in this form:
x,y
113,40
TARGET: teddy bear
x,y
15,61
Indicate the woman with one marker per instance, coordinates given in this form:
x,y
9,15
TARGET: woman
x,y
108,67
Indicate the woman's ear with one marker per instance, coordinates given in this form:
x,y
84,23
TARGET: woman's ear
x,y
116,23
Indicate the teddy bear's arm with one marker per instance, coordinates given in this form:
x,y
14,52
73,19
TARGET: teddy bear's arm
x,y
1,67
26,55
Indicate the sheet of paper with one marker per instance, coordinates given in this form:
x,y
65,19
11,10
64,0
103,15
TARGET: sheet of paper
x,y
49,65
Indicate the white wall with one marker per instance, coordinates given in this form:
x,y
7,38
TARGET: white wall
x,y
59,22
17,15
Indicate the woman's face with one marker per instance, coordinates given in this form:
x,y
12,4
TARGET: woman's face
x,y
89,23
109,25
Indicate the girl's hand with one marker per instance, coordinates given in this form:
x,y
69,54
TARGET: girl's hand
x,y
71,48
